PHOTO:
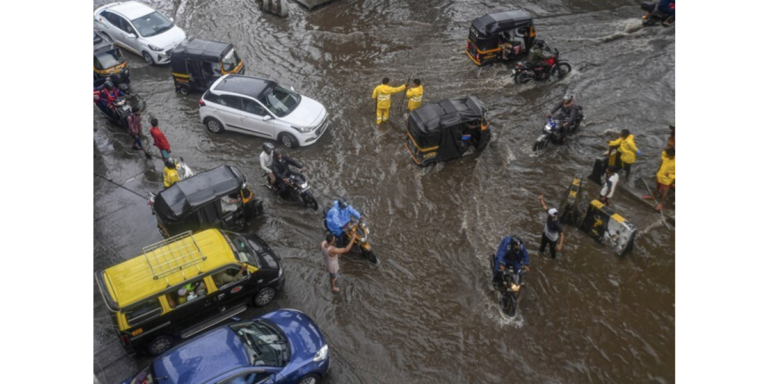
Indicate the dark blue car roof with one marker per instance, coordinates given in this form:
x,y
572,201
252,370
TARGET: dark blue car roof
x,y
203,358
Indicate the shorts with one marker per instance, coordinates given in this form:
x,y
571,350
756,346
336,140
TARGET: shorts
x,y
334,275
165,154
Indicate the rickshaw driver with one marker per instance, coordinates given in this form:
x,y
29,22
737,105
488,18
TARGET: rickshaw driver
x,y
566,108
281,167
338,217
538,57
510,254
265,159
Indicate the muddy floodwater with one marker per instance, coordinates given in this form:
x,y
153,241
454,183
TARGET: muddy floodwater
x,y
427,313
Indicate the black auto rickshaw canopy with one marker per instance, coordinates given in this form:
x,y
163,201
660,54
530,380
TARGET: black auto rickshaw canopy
x,y
197,63
490,31
441,131
185,198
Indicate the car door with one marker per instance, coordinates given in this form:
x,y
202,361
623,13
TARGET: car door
x,y
129,35
257,119
232,286
230,112
251,375
108,24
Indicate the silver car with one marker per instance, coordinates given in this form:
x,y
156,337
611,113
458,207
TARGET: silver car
x,y
139,29
262,108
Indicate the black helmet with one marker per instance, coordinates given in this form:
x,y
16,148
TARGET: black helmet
x,y
268,147
540,42
342,202
108,84
514,244
169,163
568,97
279,151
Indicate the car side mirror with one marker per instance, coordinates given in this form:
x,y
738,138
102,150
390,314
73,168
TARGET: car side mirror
x,y
273,378
171,19
293,89
266,117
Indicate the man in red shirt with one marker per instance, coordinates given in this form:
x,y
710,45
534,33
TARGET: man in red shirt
x,y
160,142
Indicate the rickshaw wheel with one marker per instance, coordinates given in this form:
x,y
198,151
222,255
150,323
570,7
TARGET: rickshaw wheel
x,y
184,91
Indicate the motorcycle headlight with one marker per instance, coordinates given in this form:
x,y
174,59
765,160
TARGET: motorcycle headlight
x,y
322,354
548,128
152,47
362,239
304,185
301,129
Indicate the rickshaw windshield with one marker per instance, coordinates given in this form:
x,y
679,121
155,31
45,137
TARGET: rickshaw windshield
x,y
281,101
152,24
243,252
108,59
230,61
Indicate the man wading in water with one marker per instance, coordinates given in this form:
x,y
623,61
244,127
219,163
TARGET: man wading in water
x,y
331,254
553,231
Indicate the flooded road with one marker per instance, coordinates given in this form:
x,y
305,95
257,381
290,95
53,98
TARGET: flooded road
x,y
428,313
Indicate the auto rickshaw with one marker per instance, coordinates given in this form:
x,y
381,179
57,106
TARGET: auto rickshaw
x,y
108,62
447,129
503,36
197,63
219,198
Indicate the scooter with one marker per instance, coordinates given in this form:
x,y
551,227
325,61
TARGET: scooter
x,y
525,71
297,189
363,240
510,287
119,114
554,131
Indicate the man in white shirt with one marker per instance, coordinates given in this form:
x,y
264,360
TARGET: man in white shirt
x,y
609,185
266,161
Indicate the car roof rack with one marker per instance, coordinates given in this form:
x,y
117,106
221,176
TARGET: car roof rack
x,y
174,254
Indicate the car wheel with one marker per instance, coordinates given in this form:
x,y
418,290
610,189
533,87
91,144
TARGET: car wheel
x,y
288,140
264,297
214,125
159,345
310,379
148,58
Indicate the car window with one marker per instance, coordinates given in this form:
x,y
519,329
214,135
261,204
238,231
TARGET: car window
x,y
264,344
152,24
243,252
227,276
254,107
122,23
212,97
148,309
248,378
188,292
232,101
111,18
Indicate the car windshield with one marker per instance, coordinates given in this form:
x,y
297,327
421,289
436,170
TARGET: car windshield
x,y
264,343
230,61
243,252
281,101
152,24
108,59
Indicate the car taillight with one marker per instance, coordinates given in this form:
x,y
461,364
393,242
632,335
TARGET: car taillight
x,y
202,103
477,57
467,46
124,339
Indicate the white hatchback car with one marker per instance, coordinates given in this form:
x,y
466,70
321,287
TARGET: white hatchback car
x,y
262,108
139,29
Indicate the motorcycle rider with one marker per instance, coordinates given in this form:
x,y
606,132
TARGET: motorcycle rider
x,y
338,217
265,158
281,167
109,94
510,254
567,109
538,56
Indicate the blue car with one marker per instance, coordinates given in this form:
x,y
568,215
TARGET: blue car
x,y
282,347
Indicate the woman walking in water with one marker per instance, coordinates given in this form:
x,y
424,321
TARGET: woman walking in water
x,y
331,254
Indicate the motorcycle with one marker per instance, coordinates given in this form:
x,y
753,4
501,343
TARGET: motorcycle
x,y
525,71
510,287
654,16
554,131
363,240
297,189
119,114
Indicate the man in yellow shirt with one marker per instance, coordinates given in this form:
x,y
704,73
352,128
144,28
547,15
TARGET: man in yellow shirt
x,y
625,146
170,174
414,96
382,95
665,177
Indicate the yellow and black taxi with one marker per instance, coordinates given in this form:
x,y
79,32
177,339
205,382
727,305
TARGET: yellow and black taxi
x,y
196,64
109,63
502,36
186,284
447,129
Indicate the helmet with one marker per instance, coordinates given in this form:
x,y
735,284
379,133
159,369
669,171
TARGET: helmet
x,y
108,84
279,151
169,163
540,43
568,97
268,147
514,244
342,202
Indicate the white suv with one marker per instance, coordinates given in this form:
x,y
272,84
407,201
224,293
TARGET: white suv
x,y
139,29
262,108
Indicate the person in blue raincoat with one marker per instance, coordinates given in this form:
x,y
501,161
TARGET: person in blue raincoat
x,y
510,254
338,217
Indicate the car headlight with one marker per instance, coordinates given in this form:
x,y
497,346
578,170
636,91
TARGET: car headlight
x,y
301,129
152,47
322,354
